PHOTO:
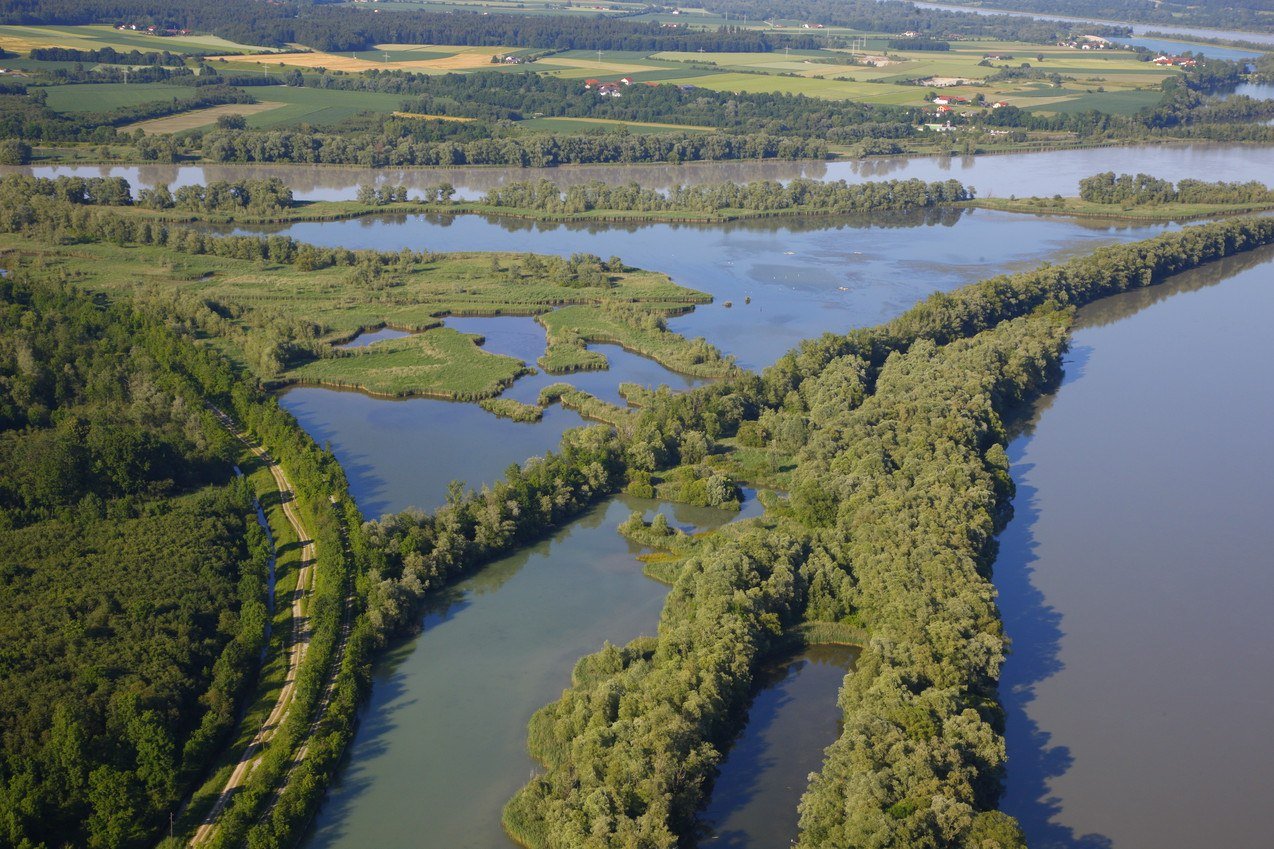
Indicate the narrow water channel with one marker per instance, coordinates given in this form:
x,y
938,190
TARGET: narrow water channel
x,y
793,718
1135,578
442,744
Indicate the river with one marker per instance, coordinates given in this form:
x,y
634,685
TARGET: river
x,y
999,175
442,743
1135,578
1185,33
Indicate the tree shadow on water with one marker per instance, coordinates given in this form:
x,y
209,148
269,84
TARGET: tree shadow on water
x,y
378,721
1035,629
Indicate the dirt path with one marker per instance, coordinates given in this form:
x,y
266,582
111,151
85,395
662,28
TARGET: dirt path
x,y
297,648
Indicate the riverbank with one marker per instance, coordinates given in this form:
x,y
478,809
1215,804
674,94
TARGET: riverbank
x,y
1074,207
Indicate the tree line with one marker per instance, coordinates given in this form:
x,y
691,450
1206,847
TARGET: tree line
x,y
109,56
812,196
1144,190
519,151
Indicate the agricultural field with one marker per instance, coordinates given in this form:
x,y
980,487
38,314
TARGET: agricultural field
x,y
1054,79
423,58
317,107
199,118
22,39
103,97
280,106
1127,84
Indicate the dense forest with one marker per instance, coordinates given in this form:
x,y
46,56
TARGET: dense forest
x,y
154,611
132,576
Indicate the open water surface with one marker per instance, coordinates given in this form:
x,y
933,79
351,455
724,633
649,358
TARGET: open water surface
x,y
1000,175
442,745
1135,578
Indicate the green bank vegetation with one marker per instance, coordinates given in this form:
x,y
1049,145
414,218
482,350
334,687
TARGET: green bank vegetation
x,y
280,307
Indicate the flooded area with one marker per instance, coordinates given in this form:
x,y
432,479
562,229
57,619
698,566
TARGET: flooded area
x,y
1135,578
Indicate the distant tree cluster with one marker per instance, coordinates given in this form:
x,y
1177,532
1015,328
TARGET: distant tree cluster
x,y
811,196
1144,190
109,56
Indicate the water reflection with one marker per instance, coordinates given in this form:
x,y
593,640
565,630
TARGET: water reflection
x,y
1128,579
442,744
371,337
787,280
792,719
1037,173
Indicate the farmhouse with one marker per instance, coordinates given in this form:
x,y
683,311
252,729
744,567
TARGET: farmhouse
x,y
1179,61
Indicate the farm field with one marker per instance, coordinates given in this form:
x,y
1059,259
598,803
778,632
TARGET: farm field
x,y
103,97
404,57
281,106
24,38
1129,84
1049,79
318,107
198,118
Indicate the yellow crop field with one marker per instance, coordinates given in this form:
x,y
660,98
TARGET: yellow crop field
x,y
197,118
